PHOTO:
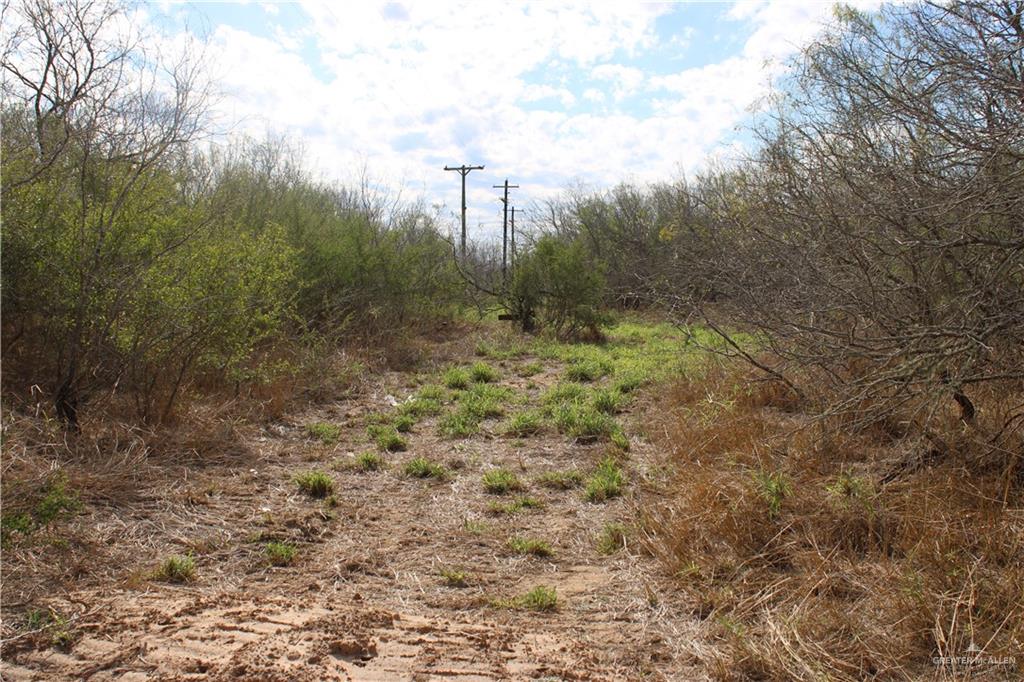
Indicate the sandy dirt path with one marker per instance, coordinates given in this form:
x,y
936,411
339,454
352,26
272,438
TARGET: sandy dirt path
x,y
365,598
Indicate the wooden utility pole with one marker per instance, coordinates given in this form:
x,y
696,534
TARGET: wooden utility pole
x,y
463,171
513,231
504,230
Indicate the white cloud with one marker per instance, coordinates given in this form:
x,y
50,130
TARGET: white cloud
x,y
408,87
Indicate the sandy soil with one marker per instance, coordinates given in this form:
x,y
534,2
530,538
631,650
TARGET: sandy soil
x,y
364,598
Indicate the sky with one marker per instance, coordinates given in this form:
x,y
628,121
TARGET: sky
x,y
550,95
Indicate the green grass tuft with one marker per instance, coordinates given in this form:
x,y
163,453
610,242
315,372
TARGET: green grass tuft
x,y
387,438
540,598
501,481
561,480
326,433
612,538
315,483
606,482
421,467
482,373
456,378
177,569
532,546
524,424
369,461
279,553
454,577
514,506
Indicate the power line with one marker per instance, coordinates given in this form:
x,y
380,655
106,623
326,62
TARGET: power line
x,y
463,171
504,230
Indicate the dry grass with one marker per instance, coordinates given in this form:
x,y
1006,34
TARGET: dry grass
x,y
814,552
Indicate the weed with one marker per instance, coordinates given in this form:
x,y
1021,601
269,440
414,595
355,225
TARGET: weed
x,y
387,438
326,433
620,440
482,373
561,480
501,481
773,488
369,461
606,481
454,578
456,378
532,546
484,400
612,538
315,483
279,553
522,424
177,569
421,467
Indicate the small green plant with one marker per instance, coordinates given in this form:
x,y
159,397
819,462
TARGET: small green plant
x,y
454,578
326,433
387,438
620,440
849,490
606,482
514,506
456,379
482,373
315,483
524,424
532,546
561,480
61,634
629,382
369,461
773,489
612,538
540,598
501,481
279,553
421,467
177,569
403,423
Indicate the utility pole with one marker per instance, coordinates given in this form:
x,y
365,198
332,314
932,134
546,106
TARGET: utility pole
x,y
504,230
463,171
513,230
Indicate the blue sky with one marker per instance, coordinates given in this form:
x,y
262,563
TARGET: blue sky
x,y
551,95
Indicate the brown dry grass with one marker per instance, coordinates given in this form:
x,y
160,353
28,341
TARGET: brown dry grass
x,y
882,555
